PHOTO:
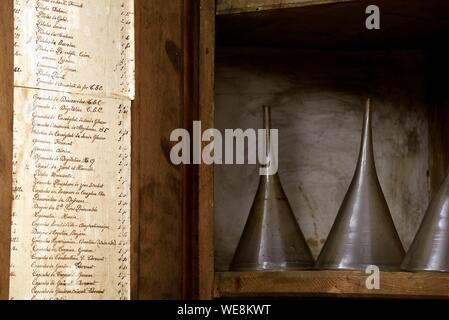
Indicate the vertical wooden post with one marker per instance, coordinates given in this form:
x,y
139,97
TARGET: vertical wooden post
x,y
206,173
6,131
172,244
165,99
157,183
135,160
190,172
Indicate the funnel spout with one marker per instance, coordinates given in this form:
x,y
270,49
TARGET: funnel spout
x,y
363,233
272,239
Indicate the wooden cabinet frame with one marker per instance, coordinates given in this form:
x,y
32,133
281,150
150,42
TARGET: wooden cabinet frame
x,y
172,207
243,18
164,259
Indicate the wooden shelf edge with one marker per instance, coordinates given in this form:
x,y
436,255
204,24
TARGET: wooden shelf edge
x,y
330,284
225,7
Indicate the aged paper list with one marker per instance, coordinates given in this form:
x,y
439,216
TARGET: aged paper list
x,y
71,197
75,46
74,81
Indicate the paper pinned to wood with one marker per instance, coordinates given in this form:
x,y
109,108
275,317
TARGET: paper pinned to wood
x,y
75,46
74,82
71,207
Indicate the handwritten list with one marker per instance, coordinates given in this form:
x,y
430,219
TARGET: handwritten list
x,y
75,46
74,82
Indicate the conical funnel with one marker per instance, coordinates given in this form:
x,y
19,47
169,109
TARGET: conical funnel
x,y
363,233
430,248
271,239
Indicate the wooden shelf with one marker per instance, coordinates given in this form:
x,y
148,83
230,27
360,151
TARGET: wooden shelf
x,y
241,6
330,284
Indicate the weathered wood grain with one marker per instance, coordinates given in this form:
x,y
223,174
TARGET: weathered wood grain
x,y
331,284
239,6
6,112
135,160
158,110
206,173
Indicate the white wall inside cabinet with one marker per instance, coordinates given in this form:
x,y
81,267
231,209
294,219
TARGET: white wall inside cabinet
x,y
317,101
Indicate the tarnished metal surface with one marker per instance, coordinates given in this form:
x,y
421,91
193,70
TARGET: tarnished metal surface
x,y
363,233
430,248
317,106
271,239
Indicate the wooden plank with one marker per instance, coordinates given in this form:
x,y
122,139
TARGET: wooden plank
x,y
190,172
331,284
240,6
135,160
159,108
6,108
206,173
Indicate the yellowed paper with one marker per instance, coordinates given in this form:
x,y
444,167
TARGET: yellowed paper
x,y
79,46
71,207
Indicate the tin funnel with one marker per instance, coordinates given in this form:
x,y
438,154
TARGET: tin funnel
x,y
363,233
430,248
271,239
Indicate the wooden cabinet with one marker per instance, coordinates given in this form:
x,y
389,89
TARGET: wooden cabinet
x,y
311,60
159,254
314,62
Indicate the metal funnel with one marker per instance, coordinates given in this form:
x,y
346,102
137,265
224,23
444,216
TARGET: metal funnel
x,y
363,233
271,239
430,248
